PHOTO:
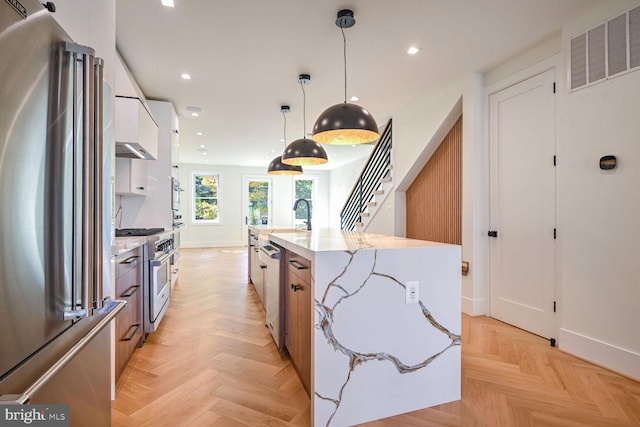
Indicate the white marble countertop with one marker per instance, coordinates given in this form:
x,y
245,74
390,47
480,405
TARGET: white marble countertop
x,y
124,244
268,229
307,243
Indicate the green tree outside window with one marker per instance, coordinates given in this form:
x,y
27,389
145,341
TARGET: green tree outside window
x,y
303,190
205,197
258,202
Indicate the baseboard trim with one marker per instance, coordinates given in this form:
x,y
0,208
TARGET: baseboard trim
x,y
474,307
617,359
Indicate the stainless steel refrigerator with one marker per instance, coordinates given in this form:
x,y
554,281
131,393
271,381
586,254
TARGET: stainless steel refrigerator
x,y
54,339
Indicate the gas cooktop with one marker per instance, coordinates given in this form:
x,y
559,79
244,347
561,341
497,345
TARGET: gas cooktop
x,y
125,232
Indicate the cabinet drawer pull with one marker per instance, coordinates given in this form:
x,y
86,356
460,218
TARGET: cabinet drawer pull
x,y
130,260
297,265
132,290
135,328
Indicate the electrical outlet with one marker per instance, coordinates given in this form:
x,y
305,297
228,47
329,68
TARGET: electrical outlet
x,y
412,295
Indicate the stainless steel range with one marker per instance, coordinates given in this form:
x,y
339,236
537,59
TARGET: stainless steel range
x,y
157,272
158,287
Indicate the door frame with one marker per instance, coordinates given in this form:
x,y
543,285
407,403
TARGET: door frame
x,y
552,62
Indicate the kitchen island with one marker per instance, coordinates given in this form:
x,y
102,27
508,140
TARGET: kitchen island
x,y
385,324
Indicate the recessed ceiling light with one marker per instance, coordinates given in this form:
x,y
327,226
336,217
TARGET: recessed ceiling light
x,y
167,3
202,146
413,50
206,160
194,114
185,76
199,133
273,151
281,140
353,145
204,153
194,108
354,98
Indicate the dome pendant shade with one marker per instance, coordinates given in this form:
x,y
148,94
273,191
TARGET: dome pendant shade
x,y
345,124
276,167
304,152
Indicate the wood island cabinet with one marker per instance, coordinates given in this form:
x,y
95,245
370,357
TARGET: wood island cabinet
x,y
298,311
129,322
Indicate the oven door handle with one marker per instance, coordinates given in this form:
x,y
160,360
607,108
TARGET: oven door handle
x,y
159,261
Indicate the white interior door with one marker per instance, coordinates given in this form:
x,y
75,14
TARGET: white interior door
x,y
522,204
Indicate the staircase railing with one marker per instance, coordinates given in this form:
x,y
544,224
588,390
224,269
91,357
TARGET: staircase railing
x,y
377,167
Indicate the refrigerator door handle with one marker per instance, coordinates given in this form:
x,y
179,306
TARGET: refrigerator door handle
x,y
75,309
98,189
88,182
84,249
22,399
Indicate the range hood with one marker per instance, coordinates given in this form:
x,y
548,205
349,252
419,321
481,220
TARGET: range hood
x,y
135,129
131,150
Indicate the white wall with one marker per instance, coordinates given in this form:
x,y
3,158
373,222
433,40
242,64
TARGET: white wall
x,y
230,231
341,182
599,228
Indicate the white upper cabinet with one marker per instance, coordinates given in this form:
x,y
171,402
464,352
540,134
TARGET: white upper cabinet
x,y
136,130
131,177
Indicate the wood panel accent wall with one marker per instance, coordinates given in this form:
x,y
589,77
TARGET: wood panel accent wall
x,y
434,199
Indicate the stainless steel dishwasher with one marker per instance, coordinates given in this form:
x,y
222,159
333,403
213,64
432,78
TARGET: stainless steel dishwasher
x,y
273,256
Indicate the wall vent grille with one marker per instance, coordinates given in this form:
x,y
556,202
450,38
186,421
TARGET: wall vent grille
x,y
597,55
634,37
606,51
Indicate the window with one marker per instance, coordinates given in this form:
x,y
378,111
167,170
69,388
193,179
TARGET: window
x,y
303,188
257,199
206,201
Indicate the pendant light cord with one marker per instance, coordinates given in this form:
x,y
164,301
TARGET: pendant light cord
x,y
344,40
284,116
304,110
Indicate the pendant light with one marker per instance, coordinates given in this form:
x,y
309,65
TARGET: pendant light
x,y
304,151
345,123
276,167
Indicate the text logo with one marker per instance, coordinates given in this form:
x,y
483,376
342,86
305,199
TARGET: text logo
x,y
35,415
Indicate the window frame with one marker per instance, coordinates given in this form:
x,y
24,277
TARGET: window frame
x,y
195,221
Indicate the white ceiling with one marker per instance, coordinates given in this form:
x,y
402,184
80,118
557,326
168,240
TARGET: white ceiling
x,y
245,57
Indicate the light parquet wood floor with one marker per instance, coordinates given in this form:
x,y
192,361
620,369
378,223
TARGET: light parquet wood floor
x,y
212,363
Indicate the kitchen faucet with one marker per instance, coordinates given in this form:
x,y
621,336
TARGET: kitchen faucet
x,y
308,221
